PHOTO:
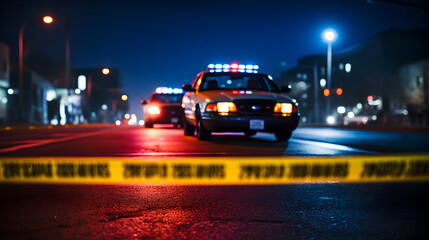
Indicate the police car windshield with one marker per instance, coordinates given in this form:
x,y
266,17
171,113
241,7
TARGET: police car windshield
x,y
237,81
166,98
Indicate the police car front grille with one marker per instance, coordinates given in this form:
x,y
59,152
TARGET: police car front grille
x,y
172,110
255,106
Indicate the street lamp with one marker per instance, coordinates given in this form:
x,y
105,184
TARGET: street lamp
x,y
105,71
329,36
47,20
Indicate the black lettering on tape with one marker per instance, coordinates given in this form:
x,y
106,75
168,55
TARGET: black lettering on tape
x,y
299,170
262,171
93,170
383,169
103,170
318,170
341,170
36,170
27,170
65,170
133,170
210,171
418,168
11,170
83,170
182,171
198,171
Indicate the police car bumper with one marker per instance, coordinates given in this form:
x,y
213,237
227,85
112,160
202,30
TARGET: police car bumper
x,y
164,119
216,123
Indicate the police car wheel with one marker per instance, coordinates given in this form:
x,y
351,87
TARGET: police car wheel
x,y
188,129
249,133
282,135
202,132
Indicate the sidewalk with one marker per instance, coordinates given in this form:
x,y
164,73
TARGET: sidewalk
x,y
382,128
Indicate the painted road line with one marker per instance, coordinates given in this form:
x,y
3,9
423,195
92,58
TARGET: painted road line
x,y
215,170
53,140
38,127
333,146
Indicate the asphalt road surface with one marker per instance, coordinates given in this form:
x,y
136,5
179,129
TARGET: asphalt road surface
x,y
136,141
161,211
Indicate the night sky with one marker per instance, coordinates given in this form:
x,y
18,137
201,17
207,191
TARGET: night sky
x,y
166,43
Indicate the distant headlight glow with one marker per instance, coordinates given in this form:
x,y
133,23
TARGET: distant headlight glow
x,y
153,110
225,107
221,107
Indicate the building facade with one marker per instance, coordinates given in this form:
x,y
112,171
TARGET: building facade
x,y
4,81
37,93
366,80
101,94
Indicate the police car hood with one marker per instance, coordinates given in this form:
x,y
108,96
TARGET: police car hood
x,y
232,95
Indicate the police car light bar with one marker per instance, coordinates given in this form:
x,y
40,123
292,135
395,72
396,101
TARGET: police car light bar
x,y
234,67
167,90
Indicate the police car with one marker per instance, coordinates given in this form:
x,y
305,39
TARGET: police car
x,y
164,107
236,98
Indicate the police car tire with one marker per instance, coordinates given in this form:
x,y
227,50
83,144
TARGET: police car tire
x,y
249,133
202,132
283,135
188,129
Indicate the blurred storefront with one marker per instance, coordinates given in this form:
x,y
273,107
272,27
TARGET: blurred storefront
x,y
4,81
368,80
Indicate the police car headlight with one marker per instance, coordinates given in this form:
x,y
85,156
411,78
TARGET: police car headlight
x,y
153,110
221,107
283,108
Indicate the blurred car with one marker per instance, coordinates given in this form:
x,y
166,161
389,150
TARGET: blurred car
x,y
164,107
236,98
359,120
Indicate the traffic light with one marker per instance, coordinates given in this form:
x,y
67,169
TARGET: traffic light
x,y
370,98
339,91
326,92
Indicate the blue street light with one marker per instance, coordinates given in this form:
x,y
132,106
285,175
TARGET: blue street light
x,y
329,36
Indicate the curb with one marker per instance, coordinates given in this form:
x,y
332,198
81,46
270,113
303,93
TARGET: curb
x,y
381,128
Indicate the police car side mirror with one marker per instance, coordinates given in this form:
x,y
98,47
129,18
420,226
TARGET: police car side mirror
x,y
143,102
285,89
188,88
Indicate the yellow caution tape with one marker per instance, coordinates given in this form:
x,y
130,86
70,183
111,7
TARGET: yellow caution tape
x,y
215,170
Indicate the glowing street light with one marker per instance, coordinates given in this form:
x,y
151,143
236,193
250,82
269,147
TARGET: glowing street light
x,y
329,36
88,79
48,19
105,71
124,97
